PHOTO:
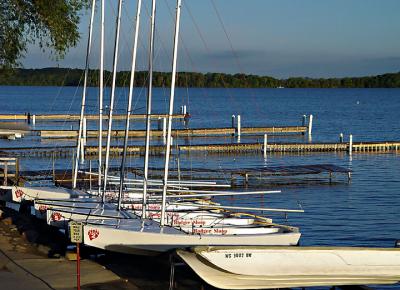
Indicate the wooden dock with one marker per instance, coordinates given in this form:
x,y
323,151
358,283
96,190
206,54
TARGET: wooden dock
x,y
232,148
76,117
54,134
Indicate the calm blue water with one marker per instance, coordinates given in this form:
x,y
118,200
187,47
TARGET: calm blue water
x,y
365,212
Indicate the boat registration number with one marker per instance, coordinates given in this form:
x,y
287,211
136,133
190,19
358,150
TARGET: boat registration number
x,y
237,255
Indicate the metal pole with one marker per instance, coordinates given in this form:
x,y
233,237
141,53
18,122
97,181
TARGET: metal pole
x,y
88,49
101,97
171,109
78,267
110,115
90,176
129,105
148,114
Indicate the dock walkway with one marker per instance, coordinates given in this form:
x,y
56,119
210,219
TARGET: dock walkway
x,y
193,132
73,117
231,148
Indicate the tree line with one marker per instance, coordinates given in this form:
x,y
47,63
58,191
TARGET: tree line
x,y
74,77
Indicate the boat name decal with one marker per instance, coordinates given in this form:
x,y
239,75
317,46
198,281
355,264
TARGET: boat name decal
x,y
202,231
93,234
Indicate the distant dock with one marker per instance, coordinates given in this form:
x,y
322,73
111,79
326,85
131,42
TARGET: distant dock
x,y
54,134
231,148
76,117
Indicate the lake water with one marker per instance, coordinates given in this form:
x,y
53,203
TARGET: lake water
x,y
365,212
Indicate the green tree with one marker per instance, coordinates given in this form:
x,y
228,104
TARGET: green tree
x,y
51,24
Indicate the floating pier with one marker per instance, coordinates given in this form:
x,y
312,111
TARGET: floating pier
x,y
231,148
177,132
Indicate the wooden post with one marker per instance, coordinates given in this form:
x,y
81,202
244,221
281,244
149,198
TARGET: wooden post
x,y
310,124
265,145
233,121
351,145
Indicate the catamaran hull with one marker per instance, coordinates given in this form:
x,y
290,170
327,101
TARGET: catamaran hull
x,y
276,267
20,193
154,241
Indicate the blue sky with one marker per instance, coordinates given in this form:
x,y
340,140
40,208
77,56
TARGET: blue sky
x,y
281,38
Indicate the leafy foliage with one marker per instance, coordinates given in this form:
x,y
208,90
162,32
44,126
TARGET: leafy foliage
x,y
73,77
51,24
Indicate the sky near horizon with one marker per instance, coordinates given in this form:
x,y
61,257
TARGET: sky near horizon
x,y
280,38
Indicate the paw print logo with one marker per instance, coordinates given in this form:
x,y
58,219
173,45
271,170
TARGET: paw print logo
x,y
56,216
93,234
19,193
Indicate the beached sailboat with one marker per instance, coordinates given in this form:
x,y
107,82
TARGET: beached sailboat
x,y
287,267
138,235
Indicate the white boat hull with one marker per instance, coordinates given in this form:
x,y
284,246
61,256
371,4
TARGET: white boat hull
x,y
282,267
137,239
20,193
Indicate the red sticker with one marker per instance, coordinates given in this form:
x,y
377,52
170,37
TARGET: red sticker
x,y
19,193
56,216
93,234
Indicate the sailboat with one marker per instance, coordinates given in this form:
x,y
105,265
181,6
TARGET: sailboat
x,y
149,235
287,267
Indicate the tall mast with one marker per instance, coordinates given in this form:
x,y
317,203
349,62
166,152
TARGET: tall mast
x,y
101,91
148,115
171,110
110,115
88,50
129,105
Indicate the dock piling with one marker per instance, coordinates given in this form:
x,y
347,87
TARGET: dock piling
x,y
351,145
310,125
239,126
265,145
341,138
304,122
